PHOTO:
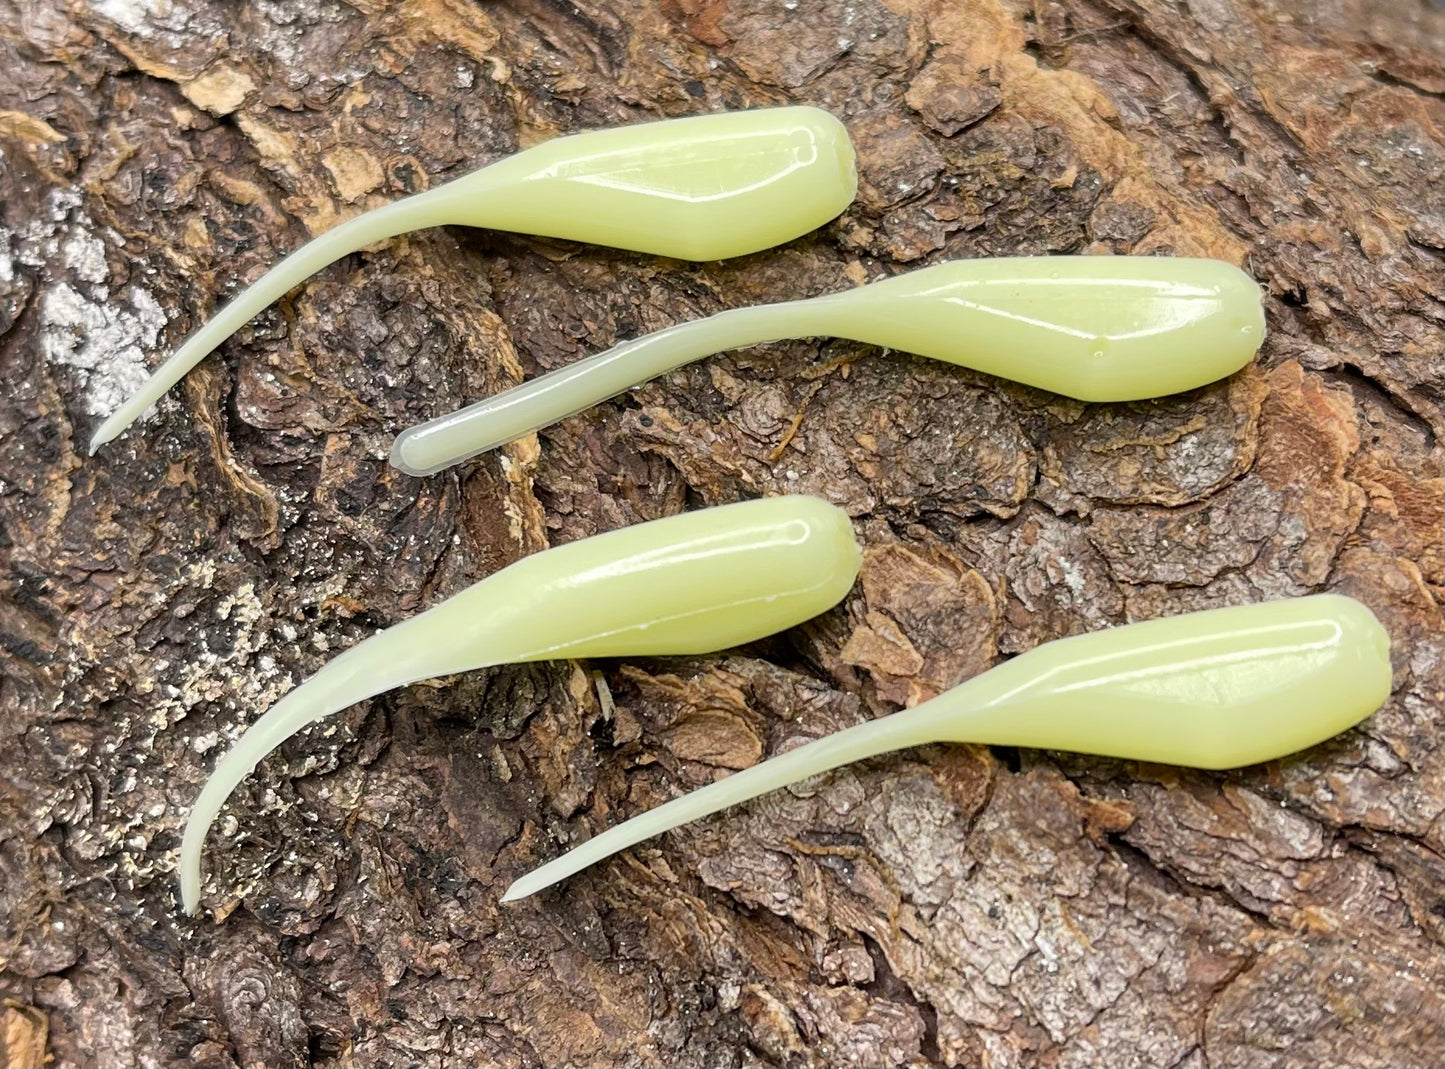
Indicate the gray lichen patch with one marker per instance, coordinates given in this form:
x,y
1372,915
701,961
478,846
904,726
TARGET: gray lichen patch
x,y
101,330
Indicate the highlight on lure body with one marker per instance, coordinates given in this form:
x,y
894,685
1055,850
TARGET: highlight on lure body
x,y
694,583
1097,328
1215,689
700,188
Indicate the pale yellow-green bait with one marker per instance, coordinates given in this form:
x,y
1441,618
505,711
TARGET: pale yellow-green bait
x,y
1098,328
699,188
688,584
1212,689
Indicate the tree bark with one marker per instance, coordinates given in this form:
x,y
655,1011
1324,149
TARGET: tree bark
x,y
951,905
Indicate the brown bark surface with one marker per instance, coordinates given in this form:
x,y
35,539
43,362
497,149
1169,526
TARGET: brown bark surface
x,y
951,905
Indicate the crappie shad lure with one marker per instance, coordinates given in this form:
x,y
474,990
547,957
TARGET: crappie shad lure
x,y
1096,328
699,188
1213,689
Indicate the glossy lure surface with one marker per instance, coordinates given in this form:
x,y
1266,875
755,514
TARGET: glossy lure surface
x,y
1097,328
1214,689
700,188
688,584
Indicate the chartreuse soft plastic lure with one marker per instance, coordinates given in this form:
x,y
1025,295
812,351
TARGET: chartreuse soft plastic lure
x,y
1212,689
1098,328
700,188
693,583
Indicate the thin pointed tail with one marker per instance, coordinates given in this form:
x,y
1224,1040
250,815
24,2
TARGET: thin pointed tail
x,y
865,740
356,675
325,249
429,447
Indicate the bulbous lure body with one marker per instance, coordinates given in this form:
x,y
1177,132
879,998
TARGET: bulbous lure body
x,y
700,188
1214,689
688,584
1097,328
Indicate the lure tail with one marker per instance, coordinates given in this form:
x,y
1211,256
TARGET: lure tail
x,y
429,447
356,675
321,251
869,739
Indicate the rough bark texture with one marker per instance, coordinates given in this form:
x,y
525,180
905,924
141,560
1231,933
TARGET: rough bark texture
x,y
951,905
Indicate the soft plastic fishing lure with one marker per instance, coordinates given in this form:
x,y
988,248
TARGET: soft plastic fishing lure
x,y
1098,328
699,188
688,584
1214,689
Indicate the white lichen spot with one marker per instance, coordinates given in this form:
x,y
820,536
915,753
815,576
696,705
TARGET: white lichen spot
x,y
83,324
7,260
729,994
85,256
1073,577
132,15
280,32
244,604
103,339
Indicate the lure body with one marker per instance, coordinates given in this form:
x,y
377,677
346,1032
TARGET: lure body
x,y
1097,328
693,583
1214,689
700,188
